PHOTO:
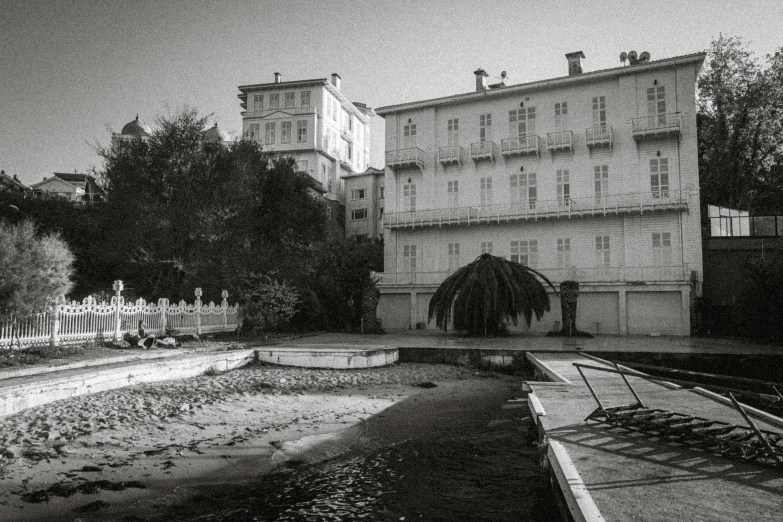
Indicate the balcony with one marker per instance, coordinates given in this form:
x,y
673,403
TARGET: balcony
x,y
405,159
557,141
600,136
657,126
483,150
520,146
346,134
451,154
535,209
609,275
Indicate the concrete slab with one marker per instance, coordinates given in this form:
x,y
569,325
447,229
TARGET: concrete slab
x,y
339,356
631,476
29,391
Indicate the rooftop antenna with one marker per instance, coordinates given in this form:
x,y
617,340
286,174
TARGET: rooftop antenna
x,y
623,57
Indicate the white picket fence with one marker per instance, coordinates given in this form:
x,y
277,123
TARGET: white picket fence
x,y
74,322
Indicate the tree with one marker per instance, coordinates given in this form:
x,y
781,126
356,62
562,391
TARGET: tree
x,y
35,269
183,213
342,273
740,125
267,303
483,295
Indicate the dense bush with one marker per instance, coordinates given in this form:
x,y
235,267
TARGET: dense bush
x,y
268,304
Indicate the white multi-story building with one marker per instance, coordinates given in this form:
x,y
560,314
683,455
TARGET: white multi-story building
x,y
313,122
591,177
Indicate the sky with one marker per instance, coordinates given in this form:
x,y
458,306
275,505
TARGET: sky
x,y
73,71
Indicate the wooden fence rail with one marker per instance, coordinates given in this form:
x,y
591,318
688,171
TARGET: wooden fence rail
x,y
74,322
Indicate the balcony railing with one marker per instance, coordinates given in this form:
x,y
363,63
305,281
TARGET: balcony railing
x,y
450,154
657,125
483,150
614,274
563,140
405,158
526,144
534,209
600,136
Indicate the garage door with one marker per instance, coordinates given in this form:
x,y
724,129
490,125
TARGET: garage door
x,y
598,307
655,312
394,310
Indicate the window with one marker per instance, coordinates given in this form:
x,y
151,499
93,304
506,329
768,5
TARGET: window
x,y
601,183
409,136
289,100
350,122
258,102
452,189
359,193
453,250
525,252
269,135
452,132
485,127
301,166
486,247
561,116
350,151
563,188
522,122
486,191
523,190
346,120
381,190
659,177
662,248
274,101
380,212
255,131
602,254
656,103
358,214
599,111
285,132
409,197
409,257
304,99
324,175
564,253
301,131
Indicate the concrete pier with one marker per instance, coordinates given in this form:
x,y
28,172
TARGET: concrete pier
x,y
612,474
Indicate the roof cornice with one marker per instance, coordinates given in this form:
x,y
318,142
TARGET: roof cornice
x,y
563,81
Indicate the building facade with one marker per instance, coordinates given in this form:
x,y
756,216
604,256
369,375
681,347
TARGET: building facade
x,y
591,177
364,203
75,187
313,122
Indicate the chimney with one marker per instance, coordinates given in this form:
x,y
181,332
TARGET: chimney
x,y
277,77
481,80
575,62
336,81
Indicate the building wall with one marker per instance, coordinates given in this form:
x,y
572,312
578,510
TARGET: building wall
x,y
617,308
372,203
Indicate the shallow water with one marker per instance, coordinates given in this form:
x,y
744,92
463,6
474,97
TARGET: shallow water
x,y
442,460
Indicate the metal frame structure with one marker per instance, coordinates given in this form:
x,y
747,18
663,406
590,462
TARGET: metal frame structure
x,y
749,444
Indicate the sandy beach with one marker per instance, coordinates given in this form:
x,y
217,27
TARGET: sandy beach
x,y
88,457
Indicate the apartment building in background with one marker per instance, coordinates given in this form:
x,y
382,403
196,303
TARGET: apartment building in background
x,y
314,122
591,177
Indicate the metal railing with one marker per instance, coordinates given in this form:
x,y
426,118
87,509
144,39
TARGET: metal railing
x,y
612,204
614,274
525,144
563,140
450,154
481,150
598,136
657,124
410,157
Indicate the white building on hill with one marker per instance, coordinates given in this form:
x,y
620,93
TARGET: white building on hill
x,y
590,177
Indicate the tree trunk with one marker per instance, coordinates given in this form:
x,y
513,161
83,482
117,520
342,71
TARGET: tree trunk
x,y
569,294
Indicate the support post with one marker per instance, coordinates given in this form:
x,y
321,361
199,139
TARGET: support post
x,y
224,304
117,287
54,340
197,306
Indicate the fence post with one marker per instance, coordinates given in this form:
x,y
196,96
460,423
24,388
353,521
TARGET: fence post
x,y
197,306
117,287
163,304
224,304
55,337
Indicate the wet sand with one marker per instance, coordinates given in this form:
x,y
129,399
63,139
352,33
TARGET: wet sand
x,y
110,455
